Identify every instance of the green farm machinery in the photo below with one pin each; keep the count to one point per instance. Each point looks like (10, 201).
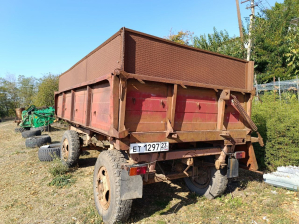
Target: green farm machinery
(35, 117)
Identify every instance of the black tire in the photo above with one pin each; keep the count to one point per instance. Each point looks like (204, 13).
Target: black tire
(37, 141)
(212, 185)
(31, 133)
(47, 153)
(20, 129)
(42, 128)
(110, 206)
(55, 145)
(70, 148)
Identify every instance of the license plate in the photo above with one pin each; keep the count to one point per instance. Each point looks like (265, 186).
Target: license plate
(149, 147)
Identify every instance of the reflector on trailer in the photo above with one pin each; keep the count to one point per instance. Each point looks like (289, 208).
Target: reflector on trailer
(137, 170)
(240, 155)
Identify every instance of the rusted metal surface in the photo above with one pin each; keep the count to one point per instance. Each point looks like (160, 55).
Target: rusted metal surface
(249, 162)
(185, 136)
(65, 150)
(101, 61)
(19, 113)
(243, 113)
(140, 88)
(155, 178)
(103, 188)
(146, 106)
(220, 162)
(100, 116)
(152, 56)
(176, 154)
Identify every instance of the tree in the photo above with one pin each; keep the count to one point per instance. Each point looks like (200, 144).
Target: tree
(182, 37)
(292, 57)
(273, 43)
(220, 42)
(26, 90)
(46, 88)
(9, 99)
(5, 105)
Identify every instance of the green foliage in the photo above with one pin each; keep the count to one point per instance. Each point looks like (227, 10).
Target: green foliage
(46, 88)
(9, 99)
(62, 181)
(26, 90)
(57, 168)
(292, 57)
(60, 174)
(275, 38)
(221, 42)
(278, 124)
(273, 41)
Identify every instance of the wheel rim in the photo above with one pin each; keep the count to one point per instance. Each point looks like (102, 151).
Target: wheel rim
(103, 188)
(65, 149)
(203, 178)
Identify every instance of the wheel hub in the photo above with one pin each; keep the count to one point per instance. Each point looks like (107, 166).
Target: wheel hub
(203, 178)
(65, 149)
(103, 188)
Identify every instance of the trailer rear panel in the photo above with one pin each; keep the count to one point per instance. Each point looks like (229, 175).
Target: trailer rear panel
(140, 88)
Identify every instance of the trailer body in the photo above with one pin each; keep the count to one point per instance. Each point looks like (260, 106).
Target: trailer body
(134, 84)
(137, 89)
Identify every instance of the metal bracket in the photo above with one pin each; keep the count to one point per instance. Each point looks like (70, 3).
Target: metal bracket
(189, 162)
(118, 134)
(169, 130)
(229, 138)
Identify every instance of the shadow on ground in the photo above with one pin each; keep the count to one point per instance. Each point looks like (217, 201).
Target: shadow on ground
(242, 181)
(157, 197)
(86, 162)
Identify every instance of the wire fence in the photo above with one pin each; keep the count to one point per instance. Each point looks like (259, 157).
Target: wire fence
(286, 90)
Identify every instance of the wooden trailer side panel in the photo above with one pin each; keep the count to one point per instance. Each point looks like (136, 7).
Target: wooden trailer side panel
(196, 109)
(59, 107)
(146, 106)
(79, 105)
(232, 118)
(67, 106)
(100, 114)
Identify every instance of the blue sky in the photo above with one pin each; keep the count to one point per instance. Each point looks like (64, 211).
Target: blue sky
(39, 36)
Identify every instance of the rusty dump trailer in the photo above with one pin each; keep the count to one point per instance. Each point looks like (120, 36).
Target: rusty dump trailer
(158, 110)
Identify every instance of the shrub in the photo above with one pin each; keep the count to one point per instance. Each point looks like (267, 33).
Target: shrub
(278, 123)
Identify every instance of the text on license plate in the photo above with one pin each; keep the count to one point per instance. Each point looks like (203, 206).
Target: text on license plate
(149, 147)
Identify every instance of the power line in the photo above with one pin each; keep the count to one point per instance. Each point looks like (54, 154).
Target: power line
(268, 4)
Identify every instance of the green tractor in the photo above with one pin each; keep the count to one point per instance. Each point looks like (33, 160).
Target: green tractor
(39, 118)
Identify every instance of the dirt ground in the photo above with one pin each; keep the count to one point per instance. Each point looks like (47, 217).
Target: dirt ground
(26, 196)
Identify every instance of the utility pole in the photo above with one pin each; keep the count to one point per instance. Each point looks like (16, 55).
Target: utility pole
(239, 20)
(250, 27)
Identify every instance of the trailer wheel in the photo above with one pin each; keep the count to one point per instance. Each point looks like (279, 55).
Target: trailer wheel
(37, 141)
(210, 182)
(70, 148)
(31, 133)
(48, 152)
(106, 187)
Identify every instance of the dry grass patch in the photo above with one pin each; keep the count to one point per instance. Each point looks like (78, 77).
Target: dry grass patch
(27, 197)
